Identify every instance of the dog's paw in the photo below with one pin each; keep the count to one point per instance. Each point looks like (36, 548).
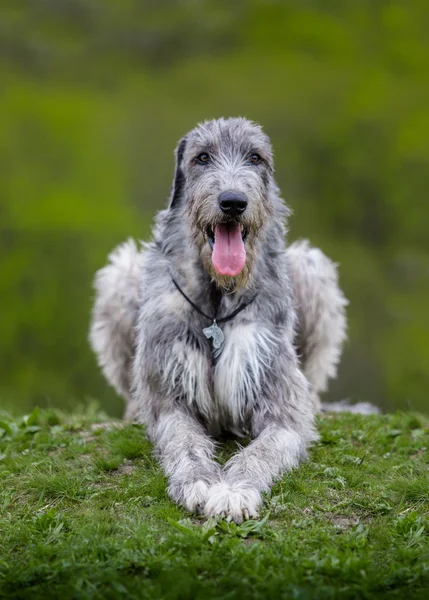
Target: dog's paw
(233, 501)
(192, 496)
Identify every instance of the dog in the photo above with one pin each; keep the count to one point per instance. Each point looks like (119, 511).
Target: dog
(217, 326)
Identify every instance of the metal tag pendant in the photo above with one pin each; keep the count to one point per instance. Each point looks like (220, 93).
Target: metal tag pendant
(215, 333)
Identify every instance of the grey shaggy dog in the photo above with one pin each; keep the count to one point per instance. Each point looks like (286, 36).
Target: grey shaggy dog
(221, 243)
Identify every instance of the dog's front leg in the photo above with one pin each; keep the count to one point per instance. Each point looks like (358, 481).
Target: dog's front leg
(252, 471)
(283, 434)
(186, 454)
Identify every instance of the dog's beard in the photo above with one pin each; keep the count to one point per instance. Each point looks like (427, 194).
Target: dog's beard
(203, 221)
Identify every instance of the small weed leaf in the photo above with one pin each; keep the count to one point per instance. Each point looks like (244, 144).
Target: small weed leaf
(6, 429)
(245, 530)
(184, 525)
(352, 460)
(415, 536)
(32, 418)
(252, 528)
(341, 481)
(210, 525)
(210, 530)
(10, 430)
(382, 508)
(213, 527)
(32, 429)
(228, 527)
(393, 432)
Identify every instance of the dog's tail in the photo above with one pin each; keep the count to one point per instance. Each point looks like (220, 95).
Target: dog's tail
(321, 312)
(114, 318)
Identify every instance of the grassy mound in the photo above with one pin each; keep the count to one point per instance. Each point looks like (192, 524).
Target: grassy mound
(84, 514)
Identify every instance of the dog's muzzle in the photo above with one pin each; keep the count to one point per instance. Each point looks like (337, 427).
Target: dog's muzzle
(228, 237)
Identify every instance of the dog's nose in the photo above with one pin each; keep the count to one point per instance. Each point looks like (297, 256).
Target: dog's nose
(232, 203)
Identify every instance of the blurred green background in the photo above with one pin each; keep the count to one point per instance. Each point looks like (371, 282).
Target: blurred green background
(94, 95)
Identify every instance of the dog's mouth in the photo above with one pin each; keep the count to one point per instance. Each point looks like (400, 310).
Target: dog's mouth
(227, 243)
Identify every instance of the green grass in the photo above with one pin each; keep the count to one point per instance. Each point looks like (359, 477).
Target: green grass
(84, 514)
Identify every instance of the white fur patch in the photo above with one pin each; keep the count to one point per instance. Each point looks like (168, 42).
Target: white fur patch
(235, 501)
(189, 367)
(239, 374)
(195, 495)
(175, 304)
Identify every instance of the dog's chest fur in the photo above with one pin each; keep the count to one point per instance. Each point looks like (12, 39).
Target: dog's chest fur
(241, 373)
(175, 352)
(226, 390)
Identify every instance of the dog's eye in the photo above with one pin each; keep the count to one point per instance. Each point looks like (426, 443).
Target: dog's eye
(203, 158)
(255, 159)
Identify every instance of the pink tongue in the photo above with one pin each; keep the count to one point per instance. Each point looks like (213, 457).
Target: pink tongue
(229, 255)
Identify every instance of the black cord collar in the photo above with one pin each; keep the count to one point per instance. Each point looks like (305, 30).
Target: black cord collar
(242, 306)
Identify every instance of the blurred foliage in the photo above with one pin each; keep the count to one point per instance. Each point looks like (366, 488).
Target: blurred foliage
(93, 97)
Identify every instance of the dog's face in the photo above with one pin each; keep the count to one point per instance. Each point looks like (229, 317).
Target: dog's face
(223, 176)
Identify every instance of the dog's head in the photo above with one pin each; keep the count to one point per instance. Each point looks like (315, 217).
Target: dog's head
(224, 185)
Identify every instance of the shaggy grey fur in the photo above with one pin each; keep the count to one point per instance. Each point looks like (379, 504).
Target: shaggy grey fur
(279, 351)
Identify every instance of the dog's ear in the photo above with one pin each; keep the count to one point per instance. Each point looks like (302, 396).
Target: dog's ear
(179, 177)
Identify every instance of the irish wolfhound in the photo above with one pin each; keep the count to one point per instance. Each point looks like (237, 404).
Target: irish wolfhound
(216, 326)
